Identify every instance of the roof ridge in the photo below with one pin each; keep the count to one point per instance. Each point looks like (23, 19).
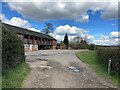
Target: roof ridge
(26, 31)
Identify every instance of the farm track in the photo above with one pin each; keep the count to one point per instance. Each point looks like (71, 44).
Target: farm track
(54, 69)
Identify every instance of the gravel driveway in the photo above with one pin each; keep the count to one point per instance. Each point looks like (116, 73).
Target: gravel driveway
(60, 69)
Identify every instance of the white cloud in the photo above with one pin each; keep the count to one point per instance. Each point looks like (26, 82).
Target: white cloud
(15, 21)
(61, 30)
(33, 29)
(18, 22)
(112, 39)
(115, 34)
(72, 32)
(103, 40)
(89, 37)
(64, 10)
(58, 37)
(113, 24)
(84, 18)
(115, 37)
(3, 18)
(61, 0)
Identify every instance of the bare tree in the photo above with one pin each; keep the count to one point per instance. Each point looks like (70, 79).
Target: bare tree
(48, 28)
(77, 41)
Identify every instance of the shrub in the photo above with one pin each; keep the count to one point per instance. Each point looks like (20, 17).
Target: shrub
(83, 44)
(113, 53)
(48, 47)
(12, 50)
(91, 47)
(79, 45)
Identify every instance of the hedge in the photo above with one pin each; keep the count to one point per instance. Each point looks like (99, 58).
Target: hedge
(91, 47)
(12, 50)
(113, 53)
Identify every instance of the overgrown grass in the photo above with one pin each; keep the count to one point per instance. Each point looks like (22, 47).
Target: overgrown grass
(14, 77)
(90, 58)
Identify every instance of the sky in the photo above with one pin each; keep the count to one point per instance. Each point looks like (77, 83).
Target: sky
(95, 21)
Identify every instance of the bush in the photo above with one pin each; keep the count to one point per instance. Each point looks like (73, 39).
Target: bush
(48, 47)
(80, 45)
(12, 50)
(113, 53)
(91, 47)
(83, 44)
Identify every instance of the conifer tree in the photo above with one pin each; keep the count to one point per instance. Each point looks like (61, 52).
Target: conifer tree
(66, 41)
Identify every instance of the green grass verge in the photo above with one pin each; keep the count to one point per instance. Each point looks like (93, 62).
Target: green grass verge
(90, 58)
(14, 77)
(0, 82)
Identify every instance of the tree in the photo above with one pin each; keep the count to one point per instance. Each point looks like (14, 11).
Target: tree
(66, 41)
(83, 44)
(12, 50)
(91, 46)
(77, 41)
(48, 28)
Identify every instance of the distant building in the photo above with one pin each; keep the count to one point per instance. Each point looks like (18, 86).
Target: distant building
(33, 41)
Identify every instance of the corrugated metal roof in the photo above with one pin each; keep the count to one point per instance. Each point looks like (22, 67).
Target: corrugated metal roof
(25, 31)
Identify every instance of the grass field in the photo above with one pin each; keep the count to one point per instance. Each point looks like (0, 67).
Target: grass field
(14, 77)
(90, 58)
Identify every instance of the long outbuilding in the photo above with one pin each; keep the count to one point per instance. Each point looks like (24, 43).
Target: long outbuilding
(32, 40)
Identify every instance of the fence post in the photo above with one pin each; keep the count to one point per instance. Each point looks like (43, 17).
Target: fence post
(109, 66)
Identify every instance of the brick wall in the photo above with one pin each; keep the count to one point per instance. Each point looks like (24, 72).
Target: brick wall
(54, 44)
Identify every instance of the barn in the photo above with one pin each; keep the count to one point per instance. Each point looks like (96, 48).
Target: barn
(33, 41)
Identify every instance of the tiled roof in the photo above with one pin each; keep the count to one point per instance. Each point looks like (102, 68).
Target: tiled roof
(24, 31)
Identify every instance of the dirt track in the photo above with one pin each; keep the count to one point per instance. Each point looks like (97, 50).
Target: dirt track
(53, 69)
